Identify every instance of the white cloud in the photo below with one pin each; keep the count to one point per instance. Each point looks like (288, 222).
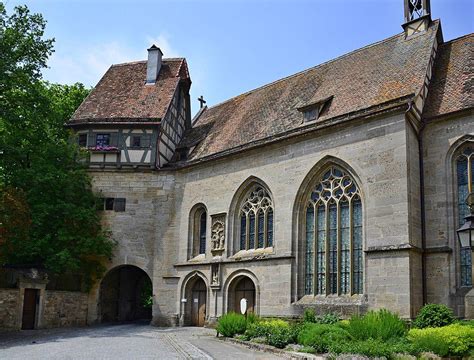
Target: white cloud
(87, 64)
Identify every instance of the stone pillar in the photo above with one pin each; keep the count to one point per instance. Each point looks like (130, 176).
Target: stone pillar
(469, 298)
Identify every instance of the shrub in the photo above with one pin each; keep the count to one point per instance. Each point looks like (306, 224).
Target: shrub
(309, 316)
(452, 340)
(278, 333)
(322, 337)
(372, 347)
(434, 315)
(382, 325)
(231, 324)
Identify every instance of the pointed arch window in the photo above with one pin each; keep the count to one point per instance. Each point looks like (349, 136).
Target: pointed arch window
(465, 186)
(333, 236)
(199, 230)
(256, 219)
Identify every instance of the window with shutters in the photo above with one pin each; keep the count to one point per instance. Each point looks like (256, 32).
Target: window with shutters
(465, 186)
(256, 219)
(333, 259)
(198, 223)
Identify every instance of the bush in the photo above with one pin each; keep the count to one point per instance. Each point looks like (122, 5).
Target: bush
(434, 315)
(310, 316)
(381, 325)
(277, 332)
(322, 337)
(451, 340)
(231, 324)
(372, 347)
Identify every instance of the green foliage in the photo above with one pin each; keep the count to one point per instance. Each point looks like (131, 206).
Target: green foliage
(322, 337)
(434, 315)
(451, 340)
(146, 294)
(310, 316)
(231, 324)
(40, 171)
(382, 325)
(371, 347)
(278, 333)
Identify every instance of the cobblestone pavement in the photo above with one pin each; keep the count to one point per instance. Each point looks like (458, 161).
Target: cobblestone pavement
(130, 341)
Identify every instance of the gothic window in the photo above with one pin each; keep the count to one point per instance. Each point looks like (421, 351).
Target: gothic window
(465, 182)
(256, 220)
(199, 235)
(333, 236)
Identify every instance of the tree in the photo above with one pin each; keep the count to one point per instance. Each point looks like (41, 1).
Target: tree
(43, 180)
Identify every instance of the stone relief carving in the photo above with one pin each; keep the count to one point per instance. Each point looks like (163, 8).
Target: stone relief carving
(218, 232)
(215, 274)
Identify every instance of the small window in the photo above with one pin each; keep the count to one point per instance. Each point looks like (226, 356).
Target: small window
(82, 140)
(136, 141)
(102, 140)
(109, 203)
(119, 205)
(311, 115)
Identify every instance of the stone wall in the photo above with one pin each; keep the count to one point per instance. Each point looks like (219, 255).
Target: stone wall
(9, 309)
(441, 139)
(64, 309)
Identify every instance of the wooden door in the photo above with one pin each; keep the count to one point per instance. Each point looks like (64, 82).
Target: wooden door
(245, 289)
(29, 309)
(198, 298)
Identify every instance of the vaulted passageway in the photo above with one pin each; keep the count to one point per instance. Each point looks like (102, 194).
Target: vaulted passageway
(125, 295)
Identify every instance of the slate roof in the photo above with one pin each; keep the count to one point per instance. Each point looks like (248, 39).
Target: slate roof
(365, 78)
(122, 96)
(451, 88)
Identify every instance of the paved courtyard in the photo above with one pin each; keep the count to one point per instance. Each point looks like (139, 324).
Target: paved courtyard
(130, 341)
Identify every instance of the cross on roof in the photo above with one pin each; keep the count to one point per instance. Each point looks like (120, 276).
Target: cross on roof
(202, 101)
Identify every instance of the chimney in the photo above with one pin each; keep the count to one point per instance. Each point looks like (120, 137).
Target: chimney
(153, 64)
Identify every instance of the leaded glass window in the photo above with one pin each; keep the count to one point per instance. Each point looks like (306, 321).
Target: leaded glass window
(333, 236)
(202, 233)
(256, 220)
(465, 180)
(199, 230)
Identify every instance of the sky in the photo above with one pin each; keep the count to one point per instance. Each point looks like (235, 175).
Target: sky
(231, 46)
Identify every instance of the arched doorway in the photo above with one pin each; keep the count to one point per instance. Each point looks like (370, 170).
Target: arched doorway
(240, 288)
(196, 302)
(125, 295)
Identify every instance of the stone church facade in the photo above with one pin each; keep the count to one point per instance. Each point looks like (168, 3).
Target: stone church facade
(339, 188)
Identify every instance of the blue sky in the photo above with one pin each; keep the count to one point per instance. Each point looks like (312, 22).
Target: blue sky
(231, 46)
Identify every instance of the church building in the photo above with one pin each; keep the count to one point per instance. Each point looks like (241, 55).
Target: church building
(339, 188)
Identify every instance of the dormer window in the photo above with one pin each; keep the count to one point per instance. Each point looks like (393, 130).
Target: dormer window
(313, 110)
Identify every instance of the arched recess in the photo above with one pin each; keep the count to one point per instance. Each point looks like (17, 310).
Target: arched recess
(197, 230)
(125, 293)
(235, 219)
(300, 213)
(194, 287)
(238, 285)
(462, 257)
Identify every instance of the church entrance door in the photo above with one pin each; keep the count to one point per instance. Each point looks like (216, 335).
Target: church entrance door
(198, 298)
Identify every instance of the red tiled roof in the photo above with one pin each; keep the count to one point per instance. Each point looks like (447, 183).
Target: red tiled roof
(122, 96)
(368, 77)
(451, 88)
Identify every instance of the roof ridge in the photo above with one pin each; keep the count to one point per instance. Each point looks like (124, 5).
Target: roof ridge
(458, 38)
(144, 61)
(312, 68)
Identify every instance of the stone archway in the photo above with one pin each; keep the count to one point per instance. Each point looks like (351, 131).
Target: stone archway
(242, 287)
(195, 308)
(124, 295)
